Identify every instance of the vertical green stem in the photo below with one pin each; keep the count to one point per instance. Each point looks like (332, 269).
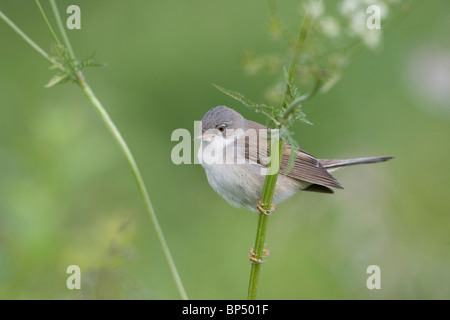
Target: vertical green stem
(271, 180)
(298, 47)
(62, 29)
(44, 16)
(263, 221)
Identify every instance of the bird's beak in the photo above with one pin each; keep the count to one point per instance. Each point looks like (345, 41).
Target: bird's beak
(206, 135)
(199, 136)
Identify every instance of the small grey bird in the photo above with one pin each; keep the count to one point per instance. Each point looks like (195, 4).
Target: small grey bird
(233, 160)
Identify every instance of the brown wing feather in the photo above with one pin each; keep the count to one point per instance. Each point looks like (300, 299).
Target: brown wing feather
(307, 168)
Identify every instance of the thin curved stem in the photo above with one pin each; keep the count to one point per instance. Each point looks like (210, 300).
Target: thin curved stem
(112, 128)
(124, 147)
(139, 180)
(294, 104)
(26, 38)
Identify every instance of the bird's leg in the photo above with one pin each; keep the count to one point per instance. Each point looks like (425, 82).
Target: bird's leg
(252, 257)
(254, 260)
(260, 208)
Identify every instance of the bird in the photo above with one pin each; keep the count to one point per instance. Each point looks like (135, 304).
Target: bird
(234, 154)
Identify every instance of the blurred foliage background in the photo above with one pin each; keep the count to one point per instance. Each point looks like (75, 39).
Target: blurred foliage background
(67, 195)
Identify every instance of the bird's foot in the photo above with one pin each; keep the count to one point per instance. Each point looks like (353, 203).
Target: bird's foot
(254, 260)
(260, 208)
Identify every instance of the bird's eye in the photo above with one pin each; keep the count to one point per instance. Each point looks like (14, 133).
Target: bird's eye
(221, 128)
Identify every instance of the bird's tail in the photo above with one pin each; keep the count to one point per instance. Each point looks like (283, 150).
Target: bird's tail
(334, 164)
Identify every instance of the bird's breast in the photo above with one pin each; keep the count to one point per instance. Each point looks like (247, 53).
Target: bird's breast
(240, 183)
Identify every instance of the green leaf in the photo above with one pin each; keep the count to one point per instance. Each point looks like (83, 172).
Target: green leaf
(268, 111)
(90, 62)
(291, 161)
(303, 119)
(288, 136)
(57, 78)
(56, 65)
(285, 75)
(295, 92)
(236, 95)
(293, 111)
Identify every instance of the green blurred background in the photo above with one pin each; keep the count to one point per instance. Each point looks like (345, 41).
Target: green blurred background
(67, 195)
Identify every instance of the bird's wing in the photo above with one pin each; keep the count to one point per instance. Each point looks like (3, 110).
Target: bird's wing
(305, 167)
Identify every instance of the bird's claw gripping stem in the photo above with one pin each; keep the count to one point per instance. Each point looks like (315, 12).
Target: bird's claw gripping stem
(260, 208)
(254, 260)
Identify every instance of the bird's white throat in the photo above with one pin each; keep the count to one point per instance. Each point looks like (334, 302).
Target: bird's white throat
(218, 150)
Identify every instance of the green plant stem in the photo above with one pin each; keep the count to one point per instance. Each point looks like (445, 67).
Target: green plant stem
(271, 180)
(115, 133)
(140, 181)
(44, 16)
(263, 221)
(62, 29)
(294, 104)
(129, 156)
(298, 47)
(26, 38)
